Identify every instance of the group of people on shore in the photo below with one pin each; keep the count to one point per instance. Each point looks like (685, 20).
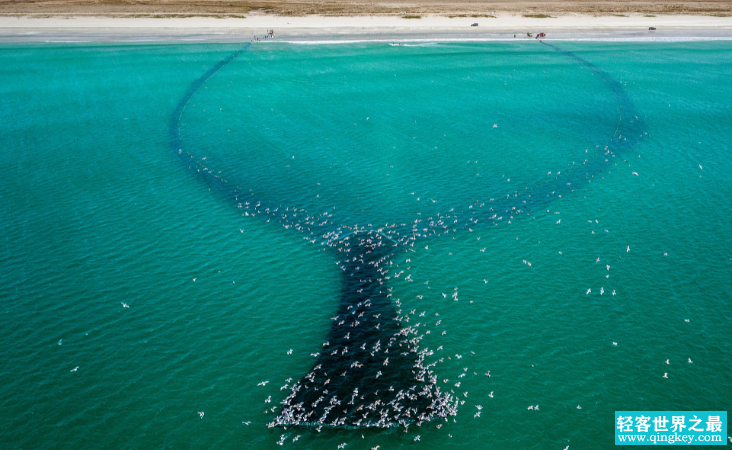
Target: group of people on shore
(270, 34)
(538, 35)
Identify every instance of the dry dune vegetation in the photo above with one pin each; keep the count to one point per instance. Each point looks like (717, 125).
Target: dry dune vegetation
(455, 8)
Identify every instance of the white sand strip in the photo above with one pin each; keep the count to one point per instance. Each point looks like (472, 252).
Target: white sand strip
(571, 26)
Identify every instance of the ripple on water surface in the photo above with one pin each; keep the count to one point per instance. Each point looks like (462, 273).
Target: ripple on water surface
(97, 213)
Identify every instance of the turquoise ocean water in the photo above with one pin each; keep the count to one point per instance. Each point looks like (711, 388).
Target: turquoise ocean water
(98, 210)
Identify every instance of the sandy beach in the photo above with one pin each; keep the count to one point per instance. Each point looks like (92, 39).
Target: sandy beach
(503, 26)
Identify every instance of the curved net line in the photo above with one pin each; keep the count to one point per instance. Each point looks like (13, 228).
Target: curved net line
(372, 370)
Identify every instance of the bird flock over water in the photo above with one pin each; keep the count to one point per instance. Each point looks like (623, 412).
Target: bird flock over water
(373, 370)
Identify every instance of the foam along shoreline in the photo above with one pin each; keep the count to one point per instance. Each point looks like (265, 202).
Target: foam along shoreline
(310, 29)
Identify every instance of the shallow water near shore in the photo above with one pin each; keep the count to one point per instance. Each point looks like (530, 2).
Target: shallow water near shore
(98, 211)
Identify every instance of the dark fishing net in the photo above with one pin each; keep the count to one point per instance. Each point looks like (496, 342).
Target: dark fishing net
(372, 370)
